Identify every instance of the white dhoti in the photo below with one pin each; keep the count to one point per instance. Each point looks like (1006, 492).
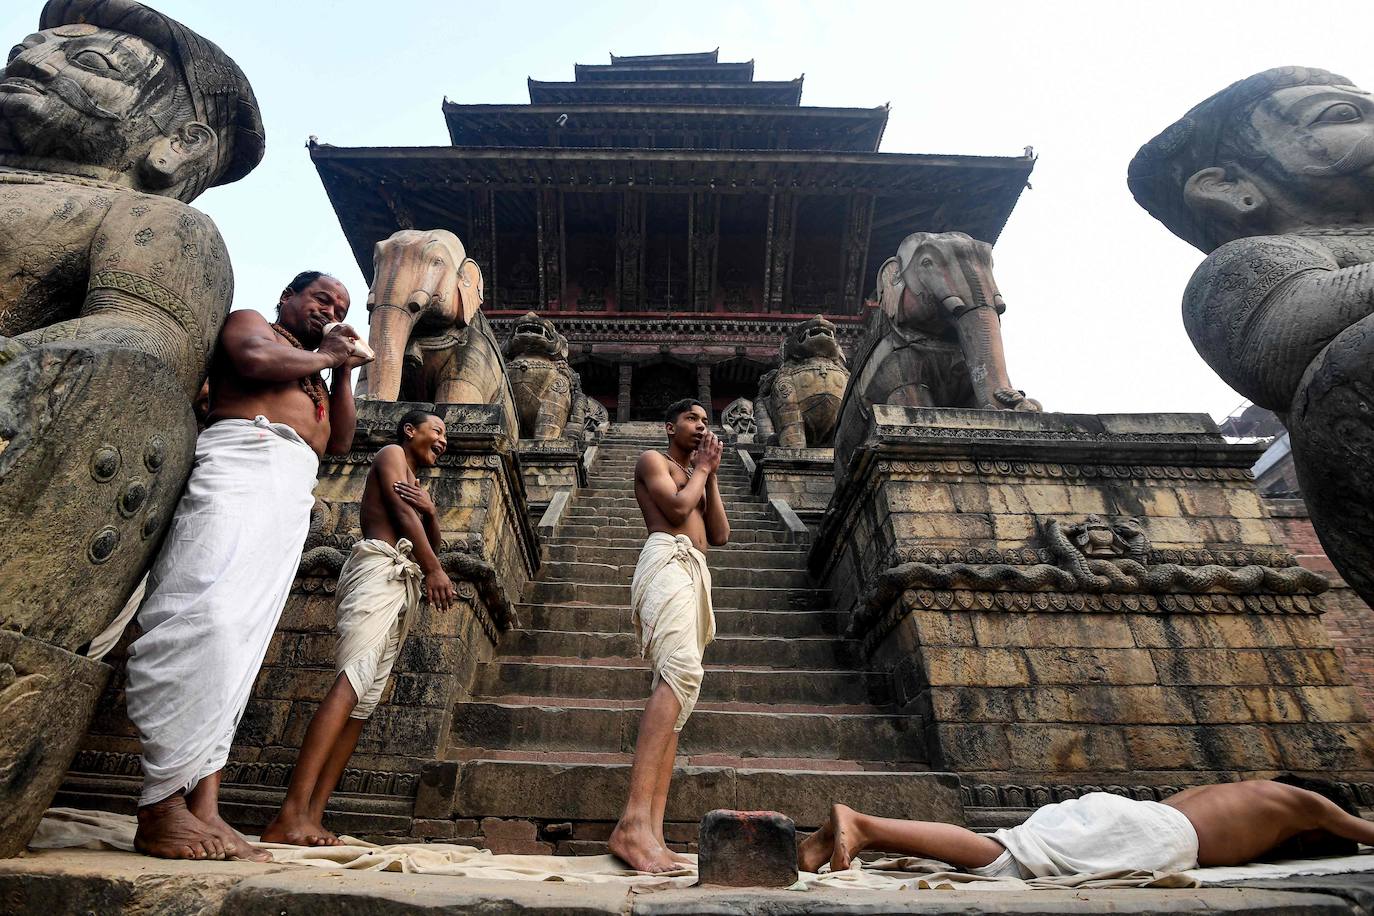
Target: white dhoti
(1096, 833)
(214, 596)
(379, 588)
(670, 602)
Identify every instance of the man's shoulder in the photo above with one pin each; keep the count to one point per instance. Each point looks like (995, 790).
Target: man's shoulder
(248, 320)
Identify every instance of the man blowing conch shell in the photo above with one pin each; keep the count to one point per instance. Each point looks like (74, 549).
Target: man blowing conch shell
(670, 601)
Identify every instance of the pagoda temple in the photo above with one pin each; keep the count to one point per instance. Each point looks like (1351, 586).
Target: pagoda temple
(670, 213)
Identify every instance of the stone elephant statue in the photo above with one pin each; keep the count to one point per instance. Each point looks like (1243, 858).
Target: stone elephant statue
(935, 339)
(433, 343)
(799, 402)
(548, 393)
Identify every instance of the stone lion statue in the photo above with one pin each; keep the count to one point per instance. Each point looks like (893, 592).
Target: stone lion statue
(935, 339)
(1273, 179)
(548, 393)
(799, 401)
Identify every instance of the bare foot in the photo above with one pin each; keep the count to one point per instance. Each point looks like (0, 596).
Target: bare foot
(639, 849)
(168, 830)
(849, 841)
(235, 846)
(815, 850)
(298, 832)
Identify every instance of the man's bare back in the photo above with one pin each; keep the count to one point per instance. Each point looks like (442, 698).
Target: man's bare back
(677, 491)
(257, 371)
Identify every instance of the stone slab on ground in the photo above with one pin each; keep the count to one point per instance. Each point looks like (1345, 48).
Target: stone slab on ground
(79, 881)
(747, 849)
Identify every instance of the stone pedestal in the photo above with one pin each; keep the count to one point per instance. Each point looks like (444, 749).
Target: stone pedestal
(548, 466)
(490, 551)
(747, 849)
(803, 477)
(1078, 601)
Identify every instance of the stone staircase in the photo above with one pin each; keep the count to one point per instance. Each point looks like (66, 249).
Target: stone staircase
(786, 721)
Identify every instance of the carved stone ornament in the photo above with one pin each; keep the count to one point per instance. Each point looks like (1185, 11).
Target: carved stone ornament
(597, 419)
(936, 338)
(799, 402)
(548, 393)
(1273, 178)
(738, 418)
(113, 117)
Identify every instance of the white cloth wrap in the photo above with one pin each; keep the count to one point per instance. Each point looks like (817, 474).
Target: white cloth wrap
(670, 602)
(1097, 833)
(214, 595)
(379, 588)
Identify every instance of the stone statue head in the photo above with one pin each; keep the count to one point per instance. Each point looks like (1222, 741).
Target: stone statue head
(113, 90)
(810, 339)
(538, 336)
(1283, 150)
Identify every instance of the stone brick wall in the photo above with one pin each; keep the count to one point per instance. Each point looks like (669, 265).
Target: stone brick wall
(1207, 661)
(804, 477)
(547, 466)
(1349, 620)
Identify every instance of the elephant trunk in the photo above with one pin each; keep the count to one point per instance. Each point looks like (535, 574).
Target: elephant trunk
(980, 337)
(388, 334)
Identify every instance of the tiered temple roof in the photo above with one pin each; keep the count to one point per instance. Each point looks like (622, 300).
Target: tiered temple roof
(672, 191)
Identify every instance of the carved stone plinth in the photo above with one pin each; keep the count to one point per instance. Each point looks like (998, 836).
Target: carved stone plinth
(46, 699)
(1085, 600)
(550, 465)
(490, 551)
(747, 849)
(803, 477)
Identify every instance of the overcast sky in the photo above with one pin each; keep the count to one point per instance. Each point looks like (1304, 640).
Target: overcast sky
(1092, 282)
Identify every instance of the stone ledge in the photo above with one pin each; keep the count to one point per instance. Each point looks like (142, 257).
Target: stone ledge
(56, 883)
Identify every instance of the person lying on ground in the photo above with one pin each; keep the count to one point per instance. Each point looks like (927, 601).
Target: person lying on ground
(379, 591)
(1230, 824)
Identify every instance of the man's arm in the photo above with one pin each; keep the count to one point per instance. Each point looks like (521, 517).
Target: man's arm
(343, 420)
(390, 468)
(676, 505)
(717, 525)
(253, 349)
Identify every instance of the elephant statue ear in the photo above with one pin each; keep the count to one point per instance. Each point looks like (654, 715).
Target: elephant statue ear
(890, 286)
(470, 291)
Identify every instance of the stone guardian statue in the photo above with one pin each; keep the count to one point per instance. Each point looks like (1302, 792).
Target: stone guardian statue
(1273, 179)
(799, 402)
(113, 117)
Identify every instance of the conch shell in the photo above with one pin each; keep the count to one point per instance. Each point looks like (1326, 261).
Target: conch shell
(359, 347)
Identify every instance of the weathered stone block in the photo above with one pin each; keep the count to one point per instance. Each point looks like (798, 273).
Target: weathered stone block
(1211, 666)
(1066, 749)
(1245, 704)
(47, 696)
(1091, 666)
(434, 795)
(966, 666)
(747, 849)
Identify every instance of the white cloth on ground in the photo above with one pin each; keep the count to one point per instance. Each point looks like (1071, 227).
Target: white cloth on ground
(379, 589)
(670, 602)
(1098, 832)
(215, 594)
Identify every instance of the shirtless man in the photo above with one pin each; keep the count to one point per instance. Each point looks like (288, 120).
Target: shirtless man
(1231, 824)
(379, 589)
(221, 579)
(670, 602)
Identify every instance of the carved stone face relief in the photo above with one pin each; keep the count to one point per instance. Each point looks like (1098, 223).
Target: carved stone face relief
(1319, 142)
(86, 95)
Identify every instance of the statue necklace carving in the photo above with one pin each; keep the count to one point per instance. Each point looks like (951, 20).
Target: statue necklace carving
(313, 385)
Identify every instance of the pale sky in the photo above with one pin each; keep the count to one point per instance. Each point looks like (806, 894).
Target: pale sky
(1092, 282)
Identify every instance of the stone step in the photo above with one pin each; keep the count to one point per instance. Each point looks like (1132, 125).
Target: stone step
(756, 733)
(781, 547)
(556, 790)
(725, 597)
(743, 527)
(624, 498)
(729, 555)
(739, 513)
(627, 506)
(584, 618)
(722, 575)
(761, 651)
(594, 533)
(630, 678)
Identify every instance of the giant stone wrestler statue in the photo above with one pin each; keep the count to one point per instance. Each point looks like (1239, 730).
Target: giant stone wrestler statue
(113, 118)
(1273, 178)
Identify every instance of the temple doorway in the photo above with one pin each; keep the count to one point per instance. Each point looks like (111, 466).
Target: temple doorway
(655, 386)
